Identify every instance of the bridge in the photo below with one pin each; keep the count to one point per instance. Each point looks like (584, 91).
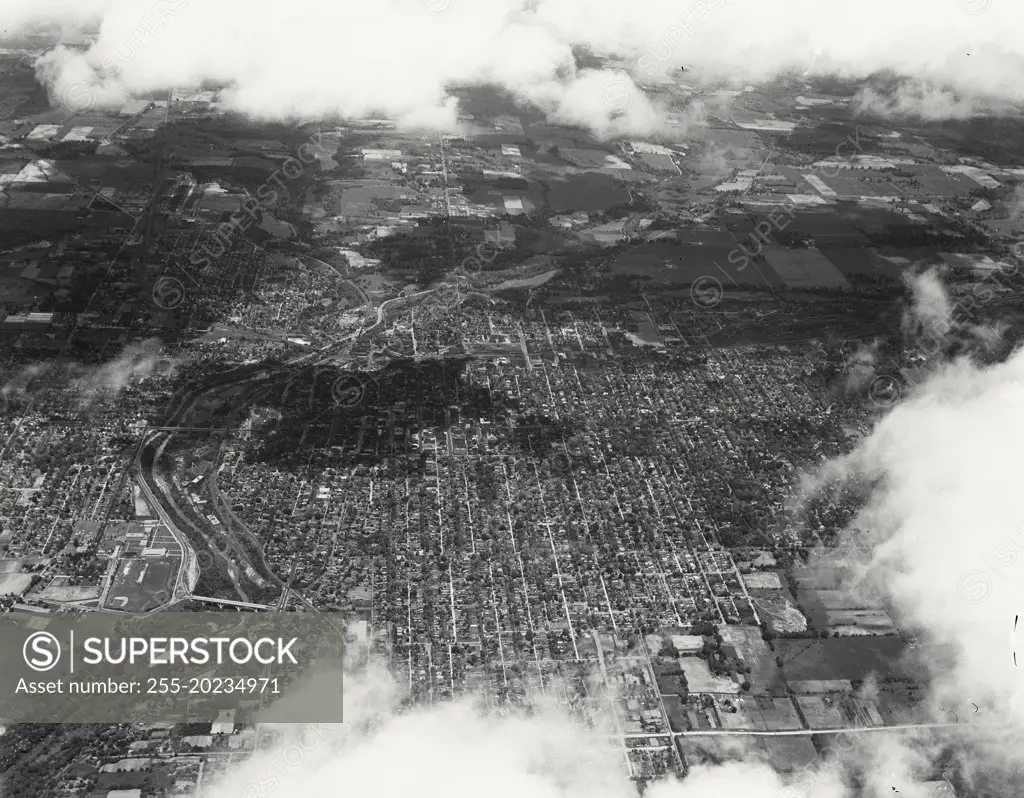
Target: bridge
(231, 603)
(187, 429)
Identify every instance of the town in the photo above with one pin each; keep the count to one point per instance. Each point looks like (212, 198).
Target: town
(526, 407)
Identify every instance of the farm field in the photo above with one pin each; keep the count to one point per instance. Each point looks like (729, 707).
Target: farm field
(674, 263)
(804, 268)
(853, 658)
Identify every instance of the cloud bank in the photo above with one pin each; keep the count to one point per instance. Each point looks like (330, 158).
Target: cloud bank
(948, 527)
(460, 751)
(308, 59)
(917, 100)
(946, 524)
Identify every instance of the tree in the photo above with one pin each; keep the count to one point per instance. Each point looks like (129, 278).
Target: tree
(668, 649)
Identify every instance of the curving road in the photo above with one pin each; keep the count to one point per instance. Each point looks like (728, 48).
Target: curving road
(217, 389)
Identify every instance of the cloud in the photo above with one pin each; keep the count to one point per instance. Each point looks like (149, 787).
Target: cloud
(19, 386)
(948, 528)
(308, 59)
(945, 511)
(892, 764)
(860, 368)
(74, 84)
(933, 320)
(607, 102)
(917, 99)
(939, 504)
(749, 779)
(60, 15)
(930, 312)
(455, 749)
(1015, 209)
(988, 338)
(138, 361)
(460, 750)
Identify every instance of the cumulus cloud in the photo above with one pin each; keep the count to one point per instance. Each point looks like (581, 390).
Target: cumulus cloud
(57, 15)
(76, 85)
(310, 59)
(460, 750)
(19, 385)
(749, 779)
(457, 749)
(944, 512)
(939, 506)
(948, 525)
(935, 318)
(607, 102)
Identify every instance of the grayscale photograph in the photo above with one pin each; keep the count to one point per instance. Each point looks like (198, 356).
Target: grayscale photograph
(511, 399)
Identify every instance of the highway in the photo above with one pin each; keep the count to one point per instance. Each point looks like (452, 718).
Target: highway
(808, 732)
(189, 561)
(231, 602)
(159, 495)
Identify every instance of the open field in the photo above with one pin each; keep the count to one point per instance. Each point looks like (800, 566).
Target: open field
(701, 680)
(861, 262)
(15, 584)
(754, 652)
(141, 583)
(804, 268)
(785, 754)
(853, 658)
(763, 713)
(674, 263)
(825, 225)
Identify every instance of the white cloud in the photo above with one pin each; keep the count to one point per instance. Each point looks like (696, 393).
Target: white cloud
(458, 750)
(1015, 207)
(860, 368)
(454, 749)
(918, 99)
(930, 312)
(307, 58)
(136, 362)
(946, 513)
(949, 526)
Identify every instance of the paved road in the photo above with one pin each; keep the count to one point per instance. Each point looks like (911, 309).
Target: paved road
(230, 602)
(808, 732)
(212, 385)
